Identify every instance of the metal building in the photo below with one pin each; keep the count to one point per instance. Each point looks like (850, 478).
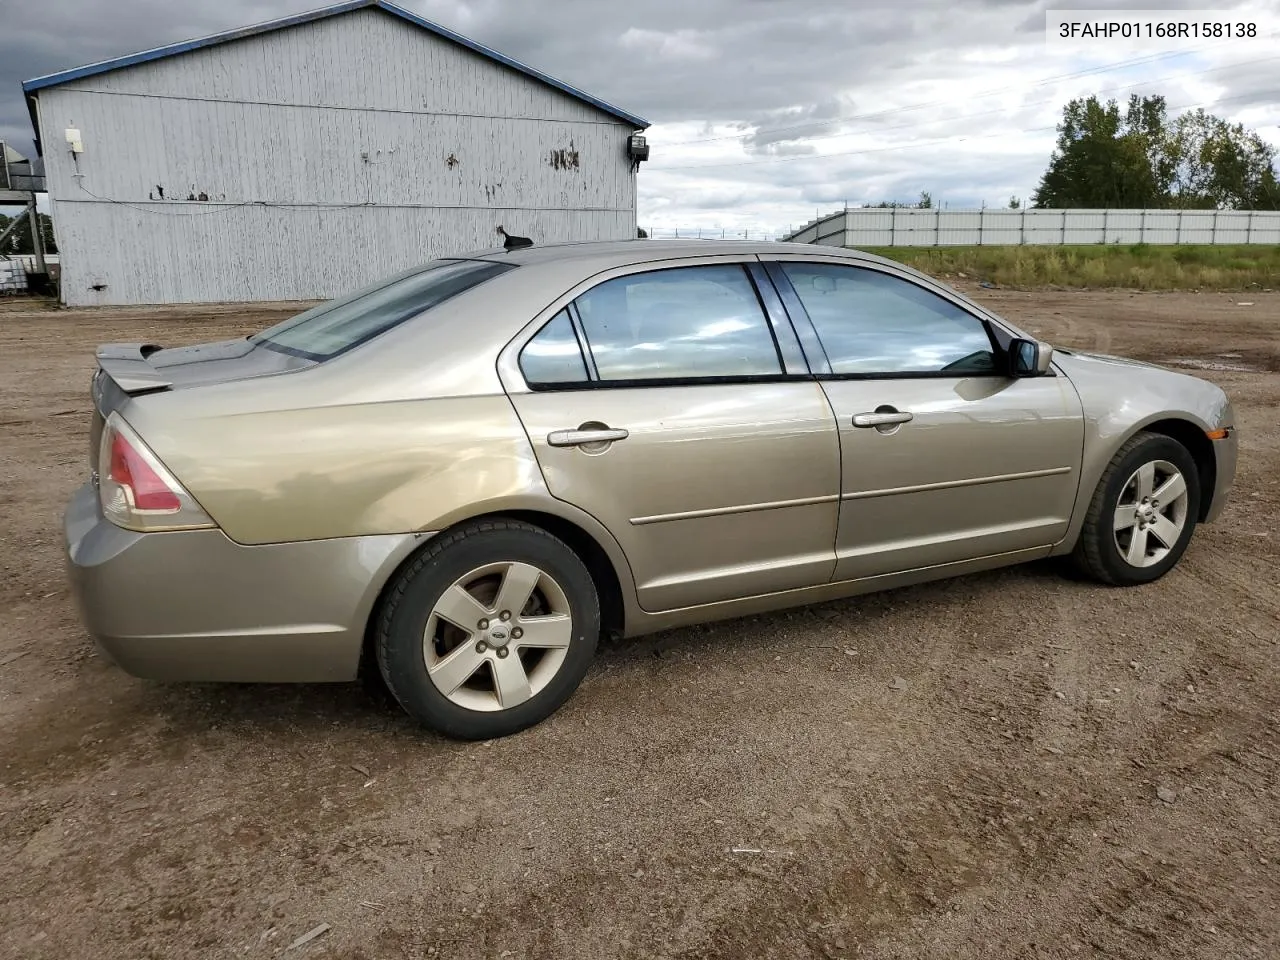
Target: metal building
(305, 157)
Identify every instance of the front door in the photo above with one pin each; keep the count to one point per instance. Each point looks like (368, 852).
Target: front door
(664, 403)
(944, 457)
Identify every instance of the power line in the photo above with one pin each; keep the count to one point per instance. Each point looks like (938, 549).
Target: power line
(913, 145)
(1105, 68)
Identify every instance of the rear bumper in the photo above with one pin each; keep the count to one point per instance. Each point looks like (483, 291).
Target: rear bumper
(196, 605)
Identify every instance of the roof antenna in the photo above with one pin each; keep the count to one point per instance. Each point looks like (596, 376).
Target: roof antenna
(513, 242)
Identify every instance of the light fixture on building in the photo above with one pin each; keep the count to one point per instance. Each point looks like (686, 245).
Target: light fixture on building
(637, 149)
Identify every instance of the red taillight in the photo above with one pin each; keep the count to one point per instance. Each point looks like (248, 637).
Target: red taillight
(133, 473)
(136, 490)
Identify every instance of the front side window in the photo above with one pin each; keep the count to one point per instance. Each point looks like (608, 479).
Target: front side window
(681, 323)
(873, 323)
(331, 328)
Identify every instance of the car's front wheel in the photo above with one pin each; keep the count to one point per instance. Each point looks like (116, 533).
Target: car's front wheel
(1143, 512)
(489, 631)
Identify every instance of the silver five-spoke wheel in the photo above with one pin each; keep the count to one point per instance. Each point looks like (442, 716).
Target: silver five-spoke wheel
(488, 629)
(497, 636)
(1143, 512)
(1151, 513)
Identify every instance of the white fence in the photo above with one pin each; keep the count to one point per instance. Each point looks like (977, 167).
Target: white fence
(898, 227)
(708, 233)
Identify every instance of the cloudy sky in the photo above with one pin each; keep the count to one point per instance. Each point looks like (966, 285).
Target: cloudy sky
(767, 112)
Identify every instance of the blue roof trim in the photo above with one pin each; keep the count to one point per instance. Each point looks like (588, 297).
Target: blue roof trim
(186, 46)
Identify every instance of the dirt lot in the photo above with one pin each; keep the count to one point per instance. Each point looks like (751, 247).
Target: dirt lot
(1000, 801)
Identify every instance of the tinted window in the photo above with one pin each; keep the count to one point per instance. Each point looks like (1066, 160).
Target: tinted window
(553, 355)
(873, 323)
(339, 325)
(684, 322)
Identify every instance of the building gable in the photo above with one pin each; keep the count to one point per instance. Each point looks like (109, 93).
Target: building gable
(364, 54)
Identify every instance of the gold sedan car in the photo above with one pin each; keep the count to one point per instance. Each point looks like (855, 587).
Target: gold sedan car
(467, 473)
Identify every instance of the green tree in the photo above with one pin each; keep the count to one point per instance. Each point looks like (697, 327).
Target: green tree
(1141, 158)
(1105, 158)
(1217, 165)
(1015, 203)
(926, 201)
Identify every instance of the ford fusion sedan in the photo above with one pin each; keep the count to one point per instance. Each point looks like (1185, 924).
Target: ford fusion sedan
(463, 476)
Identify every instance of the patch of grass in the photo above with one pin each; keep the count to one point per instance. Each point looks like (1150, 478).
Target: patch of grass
(1138, 266)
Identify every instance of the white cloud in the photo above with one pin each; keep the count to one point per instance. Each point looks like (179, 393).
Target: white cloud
(679, 45)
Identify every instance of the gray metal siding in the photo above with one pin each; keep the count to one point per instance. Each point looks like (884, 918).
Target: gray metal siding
(250, 153)
(418, 148)
(366, 59)
(263, 253)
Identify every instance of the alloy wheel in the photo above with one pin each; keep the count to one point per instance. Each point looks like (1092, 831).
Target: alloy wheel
(497, 636)
(1151, 513)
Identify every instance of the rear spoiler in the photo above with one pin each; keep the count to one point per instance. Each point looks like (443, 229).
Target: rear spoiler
(127, 365)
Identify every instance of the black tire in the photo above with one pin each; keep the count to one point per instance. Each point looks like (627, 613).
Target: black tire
(415, 592)
(1096, 553)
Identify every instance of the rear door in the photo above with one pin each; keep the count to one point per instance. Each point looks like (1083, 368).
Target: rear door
(669, 404)
(944, 457)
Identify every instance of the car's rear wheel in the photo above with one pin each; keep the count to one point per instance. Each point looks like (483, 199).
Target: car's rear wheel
(489, 631)
(1143, 513)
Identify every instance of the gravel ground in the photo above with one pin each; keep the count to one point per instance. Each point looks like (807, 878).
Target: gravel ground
(1012, 764)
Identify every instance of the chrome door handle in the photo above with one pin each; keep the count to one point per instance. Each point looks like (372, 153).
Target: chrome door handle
(880, 419)
(580, 438)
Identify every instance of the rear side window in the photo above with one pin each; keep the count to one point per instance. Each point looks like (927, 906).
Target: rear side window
(554, 356)
(682, 323)
(334, 327)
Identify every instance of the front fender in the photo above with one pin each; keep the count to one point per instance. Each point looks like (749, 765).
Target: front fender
(1121, 397)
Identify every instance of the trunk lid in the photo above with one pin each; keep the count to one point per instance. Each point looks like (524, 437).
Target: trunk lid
(133, 369)
(147, 367)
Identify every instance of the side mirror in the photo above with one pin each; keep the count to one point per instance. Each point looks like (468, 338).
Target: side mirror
(1029, 358)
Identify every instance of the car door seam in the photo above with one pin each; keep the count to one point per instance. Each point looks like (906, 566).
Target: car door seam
(1076, 505)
